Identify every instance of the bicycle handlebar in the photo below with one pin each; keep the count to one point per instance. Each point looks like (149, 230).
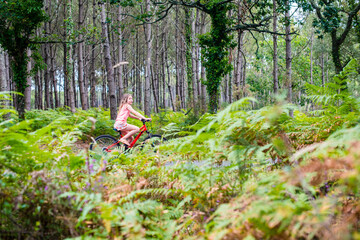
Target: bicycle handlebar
(144, 121)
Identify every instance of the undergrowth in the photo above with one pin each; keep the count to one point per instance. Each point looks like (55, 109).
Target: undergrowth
(240, 174)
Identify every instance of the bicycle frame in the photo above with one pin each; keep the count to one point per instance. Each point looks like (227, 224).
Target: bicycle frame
(142, 130)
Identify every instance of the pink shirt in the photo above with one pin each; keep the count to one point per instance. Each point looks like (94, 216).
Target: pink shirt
(123, 114)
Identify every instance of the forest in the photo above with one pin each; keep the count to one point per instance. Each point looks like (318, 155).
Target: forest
(254, 103)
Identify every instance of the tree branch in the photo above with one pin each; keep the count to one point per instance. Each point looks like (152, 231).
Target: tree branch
(348, 24)
(317, 8)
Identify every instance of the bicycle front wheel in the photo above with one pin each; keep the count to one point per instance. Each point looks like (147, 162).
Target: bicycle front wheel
(104, 144)
(155, 140)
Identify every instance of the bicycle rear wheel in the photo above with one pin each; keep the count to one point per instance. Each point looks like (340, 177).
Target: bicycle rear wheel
(103, 142)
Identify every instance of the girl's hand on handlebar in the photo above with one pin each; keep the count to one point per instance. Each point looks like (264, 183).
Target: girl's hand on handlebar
(145, 119)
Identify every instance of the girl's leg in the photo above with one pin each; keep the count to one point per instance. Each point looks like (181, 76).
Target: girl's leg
(129, 139)
(130, 131)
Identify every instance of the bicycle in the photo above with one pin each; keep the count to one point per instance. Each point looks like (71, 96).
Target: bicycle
(107, 143)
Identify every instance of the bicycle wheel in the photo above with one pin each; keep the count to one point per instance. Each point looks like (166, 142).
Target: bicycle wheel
(102, 142)
(154, 140)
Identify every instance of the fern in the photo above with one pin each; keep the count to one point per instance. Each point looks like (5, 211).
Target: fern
(334, 97)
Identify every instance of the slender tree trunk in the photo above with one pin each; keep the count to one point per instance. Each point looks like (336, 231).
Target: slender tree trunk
(138, 67)
(197, 58)
(155, 71)
(108, 63)
(311, 58)
(52, 75)
(188, 54)
(120, 53)
(92, 61)
(275, 56)
(27, 94)
(37, 90)
(80, 49)
(177, 61)
(153, 86)
(67, 57)
(41, 75)
(73, 60)
(288, 56)
(202, 70)
(148, 39)
(3, 80)
(163, 66)
(168, 73)
(193, 62)
(46, 74)
(239, 66)
(327, 70)
(322, 58)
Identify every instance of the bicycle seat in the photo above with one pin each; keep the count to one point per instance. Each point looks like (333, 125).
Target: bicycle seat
(116, 130)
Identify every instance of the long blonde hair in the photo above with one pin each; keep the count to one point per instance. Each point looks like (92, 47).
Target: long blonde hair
(123, 100)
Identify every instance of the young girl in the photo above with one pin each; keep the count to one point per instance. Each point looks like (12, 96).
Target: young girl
(125, 111)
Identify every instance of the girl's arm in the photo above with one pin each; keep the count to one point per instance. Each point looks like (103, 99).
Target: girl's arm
(133, 116)
(135, 113)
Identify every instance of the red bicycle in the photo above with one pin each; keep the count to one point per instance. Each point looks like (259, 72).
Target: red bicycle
(107, 143)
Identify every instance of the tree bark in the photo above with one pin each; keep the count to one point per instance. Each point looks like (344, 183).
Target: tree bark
(92, 61)
(322, 58)
(193, 61)
(168, 73)
(120, 53)
(311, 58)
(80, 49)
(3, 80)
(288, 56)
(67, 58)
(148, 39)
(108, 63)
(27, 94)
(275, 56)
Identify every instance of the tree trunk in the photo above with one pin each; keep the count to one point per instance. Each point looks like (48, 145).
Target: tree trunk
(67, 57)
(153, 86)
(288, 57)
(92, 61)
(155, 71)
(3, 80)
(163, 66)
(73, 60)
(311, 58)
(27, 94)
(188, 54)
(168, 73)
(193, 61)
(80, 49)
(177, 61)
(148, 39)
(108, 63)
(120, 53)
(275, 56)
(46, 74)
(197, 58)
(52, 75)
(322, 58)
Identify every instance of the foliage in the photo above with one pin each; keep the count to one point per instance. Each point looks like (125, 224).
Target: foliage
(335, 97)
(215, 51)
(241, 173)
(18, 21)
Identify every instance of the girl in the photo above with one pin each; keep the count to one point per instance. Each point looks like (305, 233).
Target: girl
(125, 111)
